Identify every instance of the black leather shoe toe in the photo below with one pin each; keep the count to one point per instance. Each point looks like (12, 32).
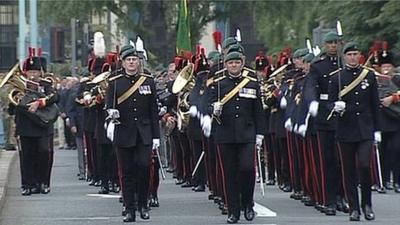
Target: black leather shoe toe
(232, 219)
(330, 210)
(354, 216)
(368, 213)
(249, 213)
(44, 189)
(26, 191)
(144, 214)
(130, 217)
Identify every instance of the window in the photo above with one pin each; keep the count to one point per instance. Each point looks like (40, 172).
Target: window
(8, 14)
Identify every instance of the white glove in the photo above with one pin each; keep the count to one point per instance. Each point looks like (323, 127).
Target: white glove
(283, 103)
(295, 128)
(339, 106)
(199, 115)
(113, 114)
(206, 125)
(302, 130)
(377, 136)
(156, 143)
(217, 110)
(193, 111)
(313, 109)
(67, 122)
(110, 130)
(288, 124)
(162, 111)
(259, 140)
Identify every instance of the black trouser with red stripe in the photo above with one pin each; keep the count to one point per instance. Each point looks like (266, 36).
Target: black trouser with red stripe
(353, 154)
(134, 164)
(239, 175)
(329, 165)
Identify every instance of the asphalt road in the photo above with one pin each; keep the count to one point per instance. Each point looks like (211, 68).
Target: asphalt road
(73, 202)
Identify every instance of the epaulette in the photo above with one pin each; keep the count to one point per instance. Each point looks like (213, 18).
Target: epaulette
(250, 70)
(114, 77)
(368, 68)
(335, 71)
(219, 78)
(250, 77)
(220, 71)
(48, 81)
(146, 75)
(320, 59)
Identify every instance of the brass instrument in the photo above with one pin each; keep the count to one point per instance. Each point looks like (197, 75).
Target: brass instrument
(17, 82)
(21, 94)
(183, 85)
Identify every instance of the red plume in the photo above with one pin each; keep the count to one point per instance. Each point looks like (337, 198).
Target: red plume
(362, 59)
(198, 47)
(385, 47)
(217, 35)
(33, 52)
(40, 52)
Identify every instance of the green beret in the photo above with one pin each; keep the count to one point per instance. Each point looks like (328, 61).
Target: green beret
(300, 53)
(128, 50)
(350, 46)
(228, 42)
(233, 56)
(214, 56)
(236, 48)
(330, 36)
(309, 57)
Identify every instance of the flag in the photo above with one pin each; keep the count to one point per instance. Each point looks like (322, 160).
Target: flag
(183, 43)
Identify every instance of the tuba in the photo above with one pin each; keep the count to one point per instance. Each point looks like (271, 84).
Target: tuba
(17, 82)
(21, 95)
(184, 84)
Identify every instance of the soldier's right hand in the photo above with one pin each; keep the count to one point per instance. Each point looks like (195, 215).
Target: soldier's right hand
(113, 113)
(217, 108)
(207, 125)
(340, 106)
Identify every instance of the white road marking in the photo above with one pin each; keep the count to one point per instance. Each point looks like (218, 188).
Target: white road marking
(262, 211)
(103, 196)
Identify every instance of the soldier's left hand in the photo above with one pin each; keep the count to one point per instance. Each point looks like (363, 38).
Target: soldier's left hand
(259, 140)
(156, 143)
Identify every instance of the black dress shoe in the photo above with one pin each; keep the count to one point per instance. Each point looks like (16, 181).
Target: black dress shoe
(270, 182)
(179, 181)
(354, 216)
(44, 189)
(120, 199)
(130, 216)
(92, 182)
(200, 188)
(232, 219)
(249, 213)
(97, 184)
(224, 210)
(187, 185)
(35, 190)
(26, 191)
(144, 214)
(368, 213)
(154, 202)
(287, 188)
(330, 210)
(381, 190)
(389, 186)
(104, 190)
(397, 188)
(211, 197)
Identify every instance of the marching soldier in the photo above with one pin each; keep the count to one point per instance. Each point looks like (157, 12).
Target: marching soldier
(354, 96)
(317, 96)
(240, 116)
(33, 132)
(131, 100)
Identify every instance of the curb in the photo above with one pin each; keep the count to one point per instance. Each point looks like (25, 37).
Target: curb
(6, 160)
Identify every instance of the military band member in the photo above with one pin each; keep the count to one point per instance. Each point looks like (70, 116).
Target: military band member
(33, 133)
(354, 97)
(388, 86)
(131, 99)
(240, 128)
